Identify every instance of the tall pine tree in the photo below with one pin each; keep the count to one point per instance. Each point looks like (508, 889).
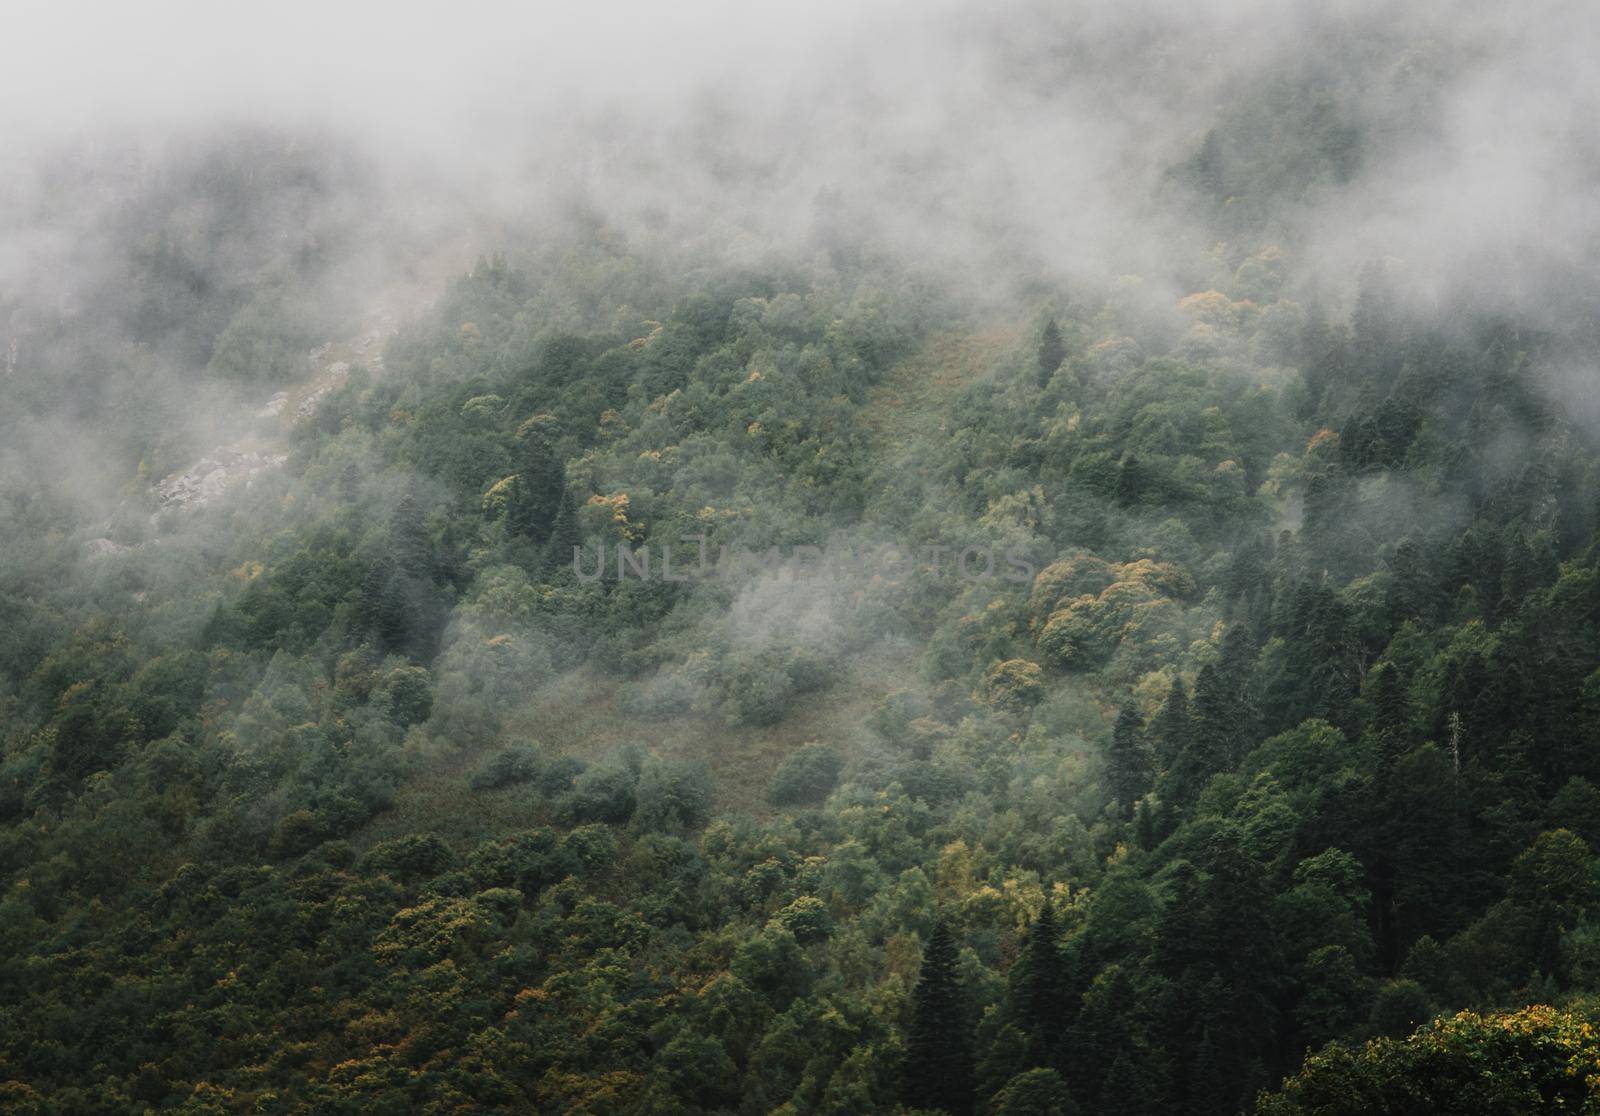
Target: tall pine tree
(1391, 719)
(566, 535)
(1323, 358)
(408, 539)
(1211, 743)
(536, 494)
(938, 1064)
(1051, 351)
(1169, 729)
(1037, 988)
(382, 611)
(1214, 718)
(1128, 764)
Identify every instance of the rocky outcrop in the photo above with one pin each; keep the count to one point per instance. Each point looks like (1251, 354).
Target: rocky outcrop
(227, 466)
(331, 377)
(211, 477)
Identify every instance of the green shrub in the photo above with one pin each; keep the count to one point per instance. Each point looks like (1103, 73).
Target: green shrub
(672, 797)
(759, 693)
(601, 794)
(408, 692)
(413, 857)
(807, 918)
(510, 766)
(805, 777)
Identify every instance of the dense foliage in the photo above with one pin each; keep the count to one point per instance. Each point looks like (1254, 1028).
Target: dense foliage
(1273, 732)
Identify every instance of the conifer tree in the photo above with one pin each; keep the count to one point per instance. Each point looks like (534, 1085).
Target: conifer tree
(1322, 352)
(1147, 823)
(1214, 717)
(938, 1064)
(1051, 351)
(1207, 168)
(1376, 340)
(408, 539)
(1127, 765)
(1412, 595)
(350, 483)
(1037, 988)
(1237, 658)
(1170, 729)
(1391, 719)
(1129, 482)
(1212, 742)
(1234, 668)
(536, 494)
(566, 536)
(1105, 1027)
(381, 611)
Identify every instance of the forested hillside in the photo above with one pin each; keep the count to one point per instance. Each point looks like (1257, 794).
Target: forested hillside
(1189, 702)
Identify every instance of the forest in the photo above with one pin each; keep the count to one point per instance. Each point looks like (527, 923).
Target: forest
(1257, 772)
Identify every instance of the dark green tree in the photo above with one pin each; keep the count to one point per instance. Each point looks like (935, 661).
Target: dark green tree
(1051, 351)
(1375, 329)
(1035, 1092)
(1170, 731)
(1234, 669)
(1037, 988)
(1130, 481)
(1322, 353)
(1391, 718)
(350, 483)
(1105, 1028)
(1128, 763)
(566, 535)
(537, 493)
(1324, 660)
(1212, 745)
(938, 1064)
(382, 611)
(1413, 594)
(408, 539)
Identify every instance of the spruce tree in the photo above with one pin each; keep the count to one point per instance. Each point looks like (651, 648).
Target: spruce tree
(1324, 355)
(1037, 988)
(1207, 168)
(1127, 765)
(1330, 659)
(1211, 745)
(350, 483)
(408, 539)
(566, 536)
(1215, 715)
(381, 608)
(1170, 729)
(1413, 594)
(1238, 658)
(1391, 718)
(1105, 1027)
(1051, 351)
(938, 1063)
(536, 494)
(1129, 481)
(1147, 824)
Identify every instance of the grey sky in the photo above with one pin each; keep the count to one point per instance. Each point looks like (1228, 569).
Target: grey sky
(1035, 132)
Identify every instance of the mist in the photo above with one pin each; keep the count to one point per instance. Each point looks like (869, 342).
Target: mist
(1249, 344)
(1034, 142)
